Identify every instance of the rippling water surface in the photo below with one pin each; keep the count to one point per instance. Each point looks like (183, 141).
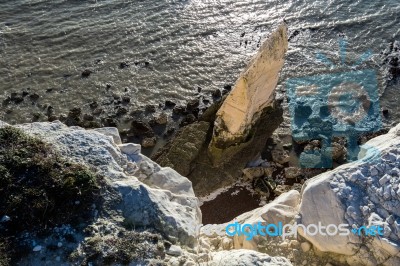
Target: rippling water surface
(188, 44)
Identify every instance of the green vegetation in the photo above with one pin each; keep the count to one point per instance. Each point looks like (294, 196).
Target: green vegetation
(40, 189)
(127, 247)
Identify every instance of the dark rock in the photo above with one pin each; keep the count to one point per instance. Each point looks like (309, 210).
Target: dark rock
(228, 87)
(93, 105)
(152, 122)
(146, 64)
(36, 116)
(385, 112)
(108, 86)
(140, 128)
(217, 94)
(150, 108)
(121, 111)
(50, 111)
(49, 90)
(52, 118)
(34, 97)
(192, 104)
(179, 110)
(126, 99)
(62, 117)
(86, 73)
(9, 111)
(75, 112)
(91, 124)
(169, 104)
(109, 122)
(170, 131)
(136, 113)
(196, 112)
(24, 93)
(189, 119)
(123, 65)
(205, 101)
(16, 98)
(242, 35)
(88, 117)
(149, 142)
(199, 89)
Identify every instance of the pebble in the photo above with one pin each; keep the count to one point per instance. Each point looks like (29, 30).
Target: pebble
(305, 246)
(37, 248)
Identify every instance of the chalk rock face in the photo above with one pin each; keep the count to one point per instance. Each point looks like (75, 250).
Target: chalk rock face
(152, 196)
(253, 91)
(245, 257)
(362, 193)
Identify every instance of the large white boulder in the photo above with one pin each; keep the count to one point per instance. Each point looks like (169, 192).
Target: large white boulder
(152, 196)
(361, 193)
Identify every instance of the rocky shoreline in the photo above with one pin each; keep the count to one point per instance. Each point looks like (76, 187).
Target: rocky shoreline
(150, 212)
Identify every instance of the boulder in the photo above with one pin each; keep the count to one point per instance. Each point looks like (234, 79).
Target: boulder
(150, 196)
(253, 92)
(362, 193)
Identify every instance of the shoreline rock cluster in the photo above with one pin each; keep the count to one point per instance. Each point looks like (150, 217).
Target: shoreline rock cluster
(157, 203)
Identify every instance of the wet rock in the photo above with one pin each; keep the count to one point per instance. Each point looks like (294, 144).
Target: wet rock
(88, 117)
(50, 110)
(93, 105)
(123, 65)
(192, 104)
(179, 110)
(34, 97)
(162, 119)
(75, 112)
(170, 131)
(136, 113)
(121, 111)
(126, 99)
(109, 122)
(150, 108)
(86, 73)
(217, 94)
(385, 112)
(36, 116)
(52, 118)
(16, 98)
(140, 128)
(169, 104)
(149, 142)
(189, 119)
